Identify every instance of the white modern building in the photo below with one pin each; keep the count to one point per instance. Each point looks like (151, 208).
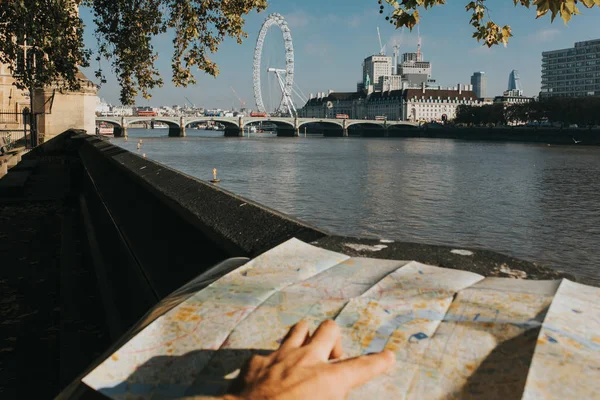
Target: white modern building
(375, 68)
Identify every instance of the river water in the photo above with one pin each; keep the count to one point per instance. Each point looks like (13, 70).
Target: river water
(531, 201)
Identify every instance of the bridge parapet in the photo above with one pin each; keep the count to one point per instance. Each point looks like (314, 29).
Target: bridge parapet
(177, 125)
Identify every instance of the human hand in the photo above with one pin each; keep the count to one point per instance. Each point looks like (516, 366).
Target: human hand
(302, 368)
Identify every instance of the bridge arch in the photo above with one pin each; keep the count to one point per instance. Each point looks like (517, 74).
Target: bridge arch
(118, 129)
(169, 122)
(109, 120)
(402, 129)
(366, 122)
(284, 127)
(338, 122)
(227, 123)
(327, 128)
(367, 128)
(282, 123)
(175, 130)
(277, 123)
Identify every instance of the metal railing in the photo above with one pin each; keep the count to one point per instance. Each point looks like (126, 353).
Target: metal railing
(10, 117)
(15, 128)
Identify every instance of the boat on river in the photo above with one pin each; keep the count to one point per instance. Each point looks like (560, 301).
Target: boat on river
(105, 130)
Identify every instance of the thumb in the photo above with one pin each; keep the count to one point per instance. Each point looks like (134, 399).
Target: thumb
(358, 371)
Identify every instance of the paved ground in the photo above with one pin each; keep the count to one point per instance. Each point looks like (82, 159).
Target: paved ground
(47, 289)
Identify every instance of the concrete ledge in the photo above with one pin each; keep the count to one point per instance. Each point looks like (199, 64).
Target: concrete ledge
(173, 226)
(480, 261)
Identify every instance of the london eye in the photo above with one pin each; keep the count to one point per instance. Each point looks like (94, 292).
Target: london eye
(282, 74)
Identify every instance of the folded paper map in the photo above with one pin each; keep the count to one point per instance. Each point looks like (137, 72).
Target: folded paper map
(456, 334)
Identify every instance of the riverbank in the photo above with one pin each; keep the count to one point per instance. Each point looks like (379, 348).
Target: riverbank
(552, 136)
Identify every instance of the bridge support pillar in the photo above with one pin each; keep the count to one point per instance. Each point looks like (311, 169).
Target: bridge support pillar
(123, 128)
(296, 127)
(241, 125)
(345, 128)
(181, 127)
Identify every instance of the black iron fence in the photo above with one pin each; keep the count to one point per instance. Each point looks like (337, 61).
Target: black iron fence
(15, 128)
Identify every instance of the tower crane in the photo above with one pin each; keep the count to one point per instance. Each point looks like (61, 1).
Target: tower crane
(188, 100)
(242, 102)
(381, 46)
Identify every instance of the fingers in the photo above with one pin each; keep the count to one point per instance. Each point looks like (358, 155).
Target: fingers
(358, 371)
(295, 338)
(337, 351)
(326, 342)
(249, 373)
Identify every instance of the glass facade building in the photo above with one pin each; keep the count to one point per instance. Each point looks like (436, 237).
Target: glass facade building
(479, 82)
(572, 72)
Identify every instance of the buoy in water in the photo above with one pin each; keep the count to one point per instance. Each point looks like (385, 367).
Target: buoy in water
(140, 141)
(214, 179)
(139, 146)
(144, 155)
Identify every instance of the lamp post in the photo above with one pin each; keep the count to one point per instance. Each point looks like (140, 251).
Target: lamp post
(29, 68)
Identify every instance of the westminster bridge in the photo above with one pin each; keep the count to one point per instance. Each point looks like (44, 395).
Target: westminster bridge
(234, 126)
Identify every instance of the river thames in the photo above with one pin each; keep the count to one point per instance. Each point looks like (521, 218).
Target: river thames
(536, 202)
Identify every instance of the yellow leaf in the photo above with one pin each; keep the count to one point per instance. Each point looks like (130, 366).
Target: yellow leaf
(565, 15)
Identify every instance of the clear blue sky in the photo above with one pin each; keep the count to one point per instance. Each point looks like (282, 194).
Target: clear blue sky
(332, 37)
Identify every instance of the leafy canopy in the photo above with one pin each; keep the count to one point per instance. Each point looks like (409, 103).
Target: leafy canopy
(125, 29)
(406, 13)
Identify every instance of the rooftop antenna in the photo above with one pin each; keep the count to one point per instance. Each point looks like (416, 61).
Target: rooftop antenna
(381, 46)
(419, 55)
(395, 58)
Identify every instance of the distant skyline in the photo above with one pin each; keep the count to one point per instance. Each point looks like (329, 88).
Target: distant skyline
(332, 38)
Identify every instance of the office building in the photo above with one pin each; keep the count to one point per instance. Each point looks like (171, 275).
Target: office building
(375, 68)
(414, 70)
(514, 82)
(572, 72)
(385, 73)
(479, 82)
